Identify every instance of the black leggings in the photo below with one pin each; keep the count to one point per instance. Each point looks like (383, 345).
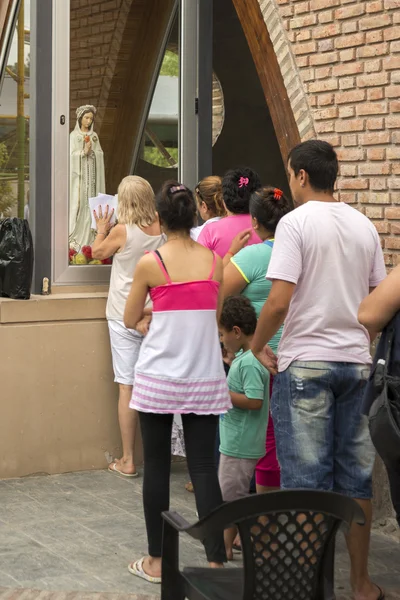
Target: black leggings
(200, 433)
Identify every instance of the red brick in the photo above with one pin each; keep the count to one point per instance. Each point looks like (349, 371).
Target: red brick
(374, 212)
(323, 59)
(374, 7)
(374, 198)
(374, 79)
(347, 83)
(350, 97)
(324, 126)
(302, 61)
(394, 228)
(372, 139)
(396, 137)
(349, 12)
(392, 213)
(348, 197)
(376, 22)
(392, 243)
(349, 27)
(378, 183)
(373, 66)
(303, 21)
(323, 86)
(326, 113)
(381, 226)
(374, 168)
(350, 41)
(391, 62)
(326, 45)
(393, 153)
(391, 4)
(307, 48)
(349, 125)
(375, 124)
(394, 183)
(393, 122)
(348, 69)
(325, 17)
(323, 72)
(303, 35)
(376, 153)
(349, 140)
(322, 4)
(392, 33)
(373, 50)
(347, 55)
(326, 99)
(395, 46)
(372, 108)
(375, 93)
(346, 111)
(353, 154)
(334, 140)
(353, 184)
(348, 170)
(373, 37)
(301, 7)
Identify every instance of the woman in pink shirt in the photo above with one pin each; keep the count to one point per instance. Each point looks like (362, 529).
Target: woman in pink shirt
(237, 188)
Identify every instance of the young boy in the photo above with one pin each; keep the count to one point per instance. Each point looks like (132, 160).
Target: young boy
(243, 428)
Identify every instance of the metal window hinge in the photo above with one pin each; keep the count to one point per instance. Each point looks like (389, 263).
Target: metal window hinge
(196, 106)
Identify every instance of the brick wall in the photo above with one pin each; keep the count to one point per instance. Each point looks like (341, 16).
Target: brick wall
(340, 60)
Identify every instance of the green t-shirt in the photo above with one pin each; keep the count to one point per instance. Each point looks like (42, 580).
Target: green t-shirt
(252, 263)
(243, 432)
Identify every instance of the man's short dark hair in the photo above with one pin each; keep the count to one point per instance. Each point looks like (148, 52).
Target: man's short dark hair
(319, 160)
(238, 311)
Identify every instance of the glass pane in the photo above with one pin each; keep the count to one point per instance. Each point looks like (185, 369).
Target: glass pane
(115, 50)
(14, 122)
(158, 157)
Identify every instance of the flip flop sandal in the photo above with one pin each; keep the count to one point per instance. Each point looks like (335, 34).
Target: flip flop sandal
(381, 593)
(113, 469)
(136, 568)
(236, 549)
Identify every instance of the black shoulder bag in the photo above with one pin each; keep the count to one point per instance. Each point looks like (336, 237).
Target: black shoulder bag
(384, 415)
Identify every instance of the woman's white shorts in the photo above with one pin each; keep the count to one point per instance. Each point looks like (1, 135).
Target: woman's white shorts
(125, 347)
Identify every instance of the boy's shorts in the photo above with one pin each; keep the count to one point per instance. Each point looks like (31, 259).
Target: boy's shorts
(235, 475)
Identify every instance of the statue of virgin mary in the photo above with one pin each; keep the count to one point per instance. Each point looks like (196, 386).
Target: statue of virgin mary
(86, 176)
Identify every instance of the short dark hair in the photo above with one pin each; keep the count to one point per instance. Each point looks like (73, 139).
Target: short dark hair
(238, 311)
(176, 206)
(268, 205)
(237, 187)
(319, 160)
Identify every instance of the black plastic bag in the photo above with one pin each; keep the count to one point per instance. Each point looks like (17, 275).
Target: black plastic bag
(16, 259)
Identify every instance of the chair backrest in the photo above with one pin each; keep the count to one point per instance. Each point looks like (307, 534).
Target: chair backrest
(287, 540)
(283, 553)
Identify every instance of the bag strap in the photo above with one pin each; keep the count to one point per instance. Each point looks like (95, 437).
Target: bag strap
(390, 339)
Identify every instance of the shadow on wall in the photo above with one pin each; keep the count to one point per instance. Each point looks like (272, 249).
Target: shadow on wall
(248, 136)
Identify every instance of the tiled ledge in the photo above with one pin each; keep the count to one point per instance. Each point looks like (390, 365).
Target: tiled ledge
(56, 307)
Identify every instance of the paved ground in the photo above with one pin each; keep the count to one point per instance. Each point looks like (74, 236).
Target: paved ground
(77, 532)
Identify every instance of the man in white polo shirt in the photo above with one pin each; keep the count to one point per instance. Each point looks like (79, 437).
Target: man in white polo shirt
(326, 258)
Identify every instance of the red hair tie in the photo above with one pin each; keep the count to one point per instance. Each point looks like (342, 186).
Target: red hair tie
(277, 194)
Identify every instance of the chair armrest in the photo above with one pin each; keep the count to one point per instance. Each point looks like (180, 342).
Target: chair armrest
(176, 521)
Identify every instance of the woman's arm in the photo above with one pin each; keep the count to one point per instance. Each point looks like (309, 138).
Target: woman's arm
(137, 296)
(234, 282)
(238, 243)
(381, 305)
(105, 245)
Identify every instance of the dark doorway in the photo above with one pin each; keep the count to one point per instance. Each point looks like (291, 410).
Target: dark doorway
(248, 136)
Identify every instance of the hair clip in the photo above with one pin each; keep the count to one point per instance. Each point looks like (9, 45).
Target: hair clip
(277, 194)
(177, 188)
(243, 182)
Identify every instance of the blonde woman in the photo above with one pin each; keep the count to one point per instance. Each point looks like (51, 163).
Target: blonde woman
(138, 231)
(210, 204)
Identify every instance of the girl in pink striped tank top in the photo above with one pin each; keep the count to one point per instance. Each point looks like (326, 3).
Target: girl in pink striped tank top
(179, 369)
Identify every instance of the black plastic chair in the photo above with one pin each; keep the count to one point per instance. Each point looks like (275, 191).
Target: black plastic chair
(288, 544)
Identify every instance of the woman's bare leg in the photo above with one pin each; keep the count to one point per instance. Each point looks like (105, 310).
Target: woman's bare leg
(128, 419)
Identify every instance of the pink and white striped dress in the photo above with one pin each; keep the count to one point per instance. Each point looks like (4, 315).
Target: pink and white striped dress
(180, 368)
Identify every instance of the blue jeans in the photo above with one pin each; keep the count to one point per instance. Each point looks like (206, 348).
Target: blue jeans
(322, 438)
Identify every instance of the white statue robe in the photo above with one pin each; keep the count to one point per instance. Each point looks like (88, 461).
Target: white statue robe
(87, 179)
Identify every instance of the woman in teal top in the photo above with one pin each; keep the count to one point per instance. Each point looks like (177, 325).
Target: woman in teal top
(245, 274)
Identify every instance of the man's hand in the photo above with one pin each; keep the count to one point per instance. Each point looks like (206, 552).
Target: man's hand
(268, 359)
